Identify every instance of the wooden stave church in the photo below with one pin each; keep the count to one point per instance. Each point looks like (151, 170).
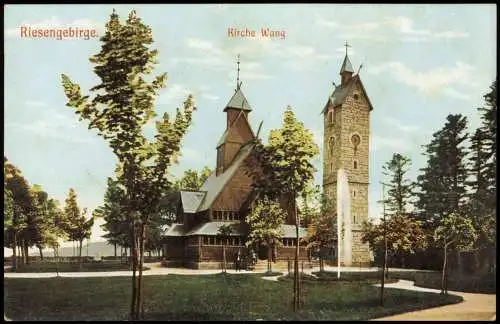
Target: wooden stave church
(226, 197)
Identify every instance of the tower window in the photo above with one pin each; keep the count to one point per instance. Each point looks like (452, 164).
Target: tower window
(330, 116)
(354, 216)
(354, 193)
(355, 140)
(355, 164)
(331, 144)
(356, 96)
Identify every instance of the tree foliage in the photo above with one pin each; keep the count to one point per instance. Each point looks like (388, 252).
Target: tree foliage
(455, 232)
(193, 180)
(442, 185)
(400, 188)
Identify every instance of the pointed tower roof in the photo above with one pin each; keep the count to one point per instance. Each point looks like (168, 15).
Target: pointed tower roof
(238, 101)
(346, 66)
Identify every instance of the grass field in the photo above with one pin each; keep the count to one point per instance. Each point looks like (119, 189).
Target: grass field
(73, 267)
(205, 297)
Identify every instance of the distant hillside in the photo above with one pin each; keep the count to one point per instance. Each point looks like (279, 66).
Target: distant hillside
(103, 248)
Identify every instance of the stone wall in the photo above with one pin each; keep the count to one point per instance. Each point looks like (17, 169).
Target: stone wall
(352, 117)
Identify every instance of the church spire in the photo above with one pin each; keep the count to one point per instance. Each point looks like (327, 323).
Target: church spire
(346, 70)
(238, 83)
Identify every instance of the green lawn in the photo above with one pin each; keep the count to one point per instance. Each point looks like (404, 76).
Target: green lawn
(204, 297)
(73, 267)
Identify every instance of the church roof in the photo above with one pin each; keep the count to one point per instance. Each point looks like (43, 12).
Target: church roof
(175, 230)
(340, 93)
(238, 228)
(223, 138)
(238, 101)
(346, 66)
(212, 228)
(214, 184)
(191, 200)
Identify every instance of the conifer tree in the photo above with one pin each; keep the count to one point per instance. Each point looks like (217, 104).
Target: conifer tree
(442, 185)
(400, 188)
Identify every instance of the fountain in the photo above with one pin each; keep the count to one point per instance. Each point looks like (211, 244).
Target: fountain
(344, 229)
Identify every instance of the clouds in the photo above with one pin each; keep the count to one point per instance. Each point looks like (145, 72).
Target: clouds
(51, 125)
(400, 126)
(438, 80)
(400, 28)
(56, 23)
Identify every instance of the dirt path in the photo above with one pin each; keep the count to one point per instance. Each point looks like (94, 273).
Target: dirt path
(475, 307)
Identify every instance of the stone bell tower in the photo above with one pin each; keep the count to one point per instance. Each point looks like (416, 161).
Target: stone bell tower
(346, 142)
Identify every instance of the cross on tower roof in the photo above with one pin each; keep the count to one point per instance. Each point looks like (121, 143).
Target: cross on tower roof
(346, 46)
(238, 84)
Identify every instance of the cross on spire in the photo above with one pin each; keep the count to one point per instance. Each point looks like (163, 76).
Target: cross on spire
(238, 84)
(346, 46)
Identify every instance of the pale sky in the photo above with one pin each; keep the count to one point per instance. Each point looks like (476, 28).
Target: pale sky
(420, 63)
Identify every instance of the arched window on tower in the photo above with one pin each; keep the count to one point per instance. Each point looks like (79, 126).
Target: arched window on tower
(355, 165)
(330, 116)
(331, 144)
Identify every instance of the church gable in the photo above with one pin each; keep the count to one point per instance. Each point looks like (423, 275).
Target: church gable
(235, 191)
(240, 131)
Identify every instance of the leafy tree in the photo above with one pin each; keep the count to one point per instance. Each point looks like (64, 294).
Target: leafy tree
(403, 233)
(309, 204)
(41, 220)
(78, 228)
(265, 226)
(8, 208)
(22, 199)
(400, 189)
(192, 180)
(284, 170)
(454, 232)
(321, 234)
(123, 105)
(224, 234)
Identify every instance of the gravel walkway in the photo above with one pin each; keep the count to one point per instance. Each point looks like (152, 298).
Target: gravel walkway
(475, 307)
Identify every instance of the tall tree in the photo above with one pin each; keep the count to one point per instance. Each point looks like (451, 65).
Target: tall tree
(22, 207)
(285, 170)
(400, 188)
(453, 232)
(442, 185)
(265, 226)
(123, 105)
(192, 180)
(115, 222)
(78, 227)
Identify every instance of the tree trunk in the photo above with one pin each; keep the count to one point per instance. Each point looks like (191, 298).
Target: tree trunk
(444, 271)
(224, 258)
(41, 252)
(23, 259)
(80, 253)
(26, 252)
(382, 284)
(115, 249)
(134, 269)
(269, 257)
(14, 254)
(459, 264)
(141, 265)
(56, 255)
(296, 285)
